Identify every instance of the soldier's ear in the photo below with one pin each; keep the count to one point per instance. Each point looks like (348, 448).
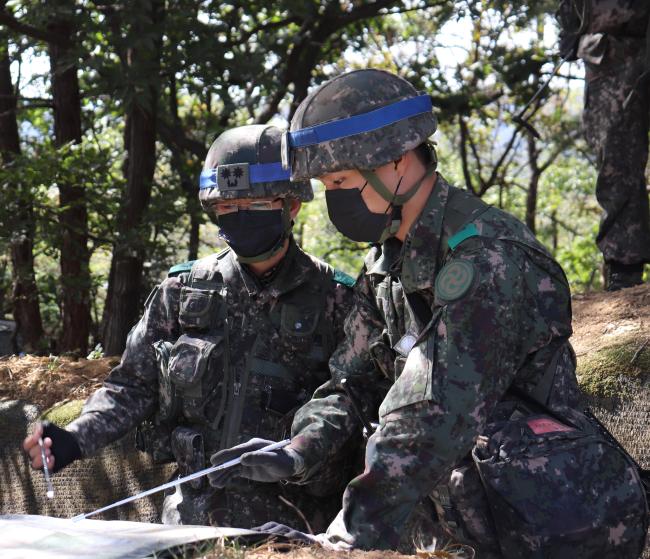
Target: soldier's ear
(295, 207)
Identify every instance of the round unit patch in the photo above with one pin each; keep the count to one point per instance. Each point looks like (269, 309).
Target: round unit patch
(454, 280)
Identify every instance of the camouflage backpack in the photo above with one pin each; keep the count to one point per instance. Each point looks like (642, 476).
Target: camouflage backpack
(543, 485)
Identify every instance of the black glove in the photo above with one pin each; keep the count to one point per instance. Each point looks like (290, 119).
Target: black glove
(257, 465)
(276, 529)
(65, 447)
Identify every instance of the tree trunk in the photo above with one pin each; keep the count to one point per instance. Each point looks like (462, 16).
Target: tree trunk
(193, 248)
(554, 232)
(73, 217)
(533, 183)
(140, 139)
(26, 311)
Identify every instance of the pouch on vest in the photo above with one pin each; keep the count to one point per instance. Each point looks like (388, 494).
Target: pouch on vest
(191, 358)
(278, 394)
(188, 449)
(189, 361)
(299, 321)
(167, 401)
(559, 489)
(199, 308)
(153, 436)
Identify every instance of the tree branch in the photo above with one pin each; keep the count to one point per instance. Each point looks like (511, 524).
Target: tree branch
(35, 33)
(558, 150)
(499, 163)
(174, 137)
(463, 154)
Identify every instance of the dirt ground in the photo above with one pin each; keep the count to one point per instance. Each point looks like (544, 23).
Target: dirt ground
(46, 381)
(598, 318)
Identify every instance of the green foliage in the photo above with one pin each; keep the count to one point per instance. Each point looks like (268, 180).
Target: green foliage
(96, 353)
(63, 414)
(224, 64)
(600, 372)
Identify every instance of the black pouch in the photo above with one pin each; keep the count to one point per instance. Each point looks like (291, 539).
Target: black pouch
(298, 321)
(556, 489)
(167, 399)
(199, 309)
(281, 402)
(153, 436)
(199, 371)
(188, 449)
(189, 360)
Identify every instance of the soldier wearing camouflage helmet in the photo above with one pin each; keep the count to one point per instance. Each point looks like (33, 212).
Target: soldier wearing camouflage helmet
(458, 307)
(228, 348)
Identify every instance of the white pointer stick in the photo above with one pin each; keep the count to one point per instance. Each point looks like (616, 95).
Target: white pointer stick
(180, 480)
(46, 470)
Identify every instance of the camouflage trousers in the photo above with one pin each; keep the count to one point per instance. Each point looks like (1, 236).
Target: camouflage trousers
(619, 138)
(247, 504)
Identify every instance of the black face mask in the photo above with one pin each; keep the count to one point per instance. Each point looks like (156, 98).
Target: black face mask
(252, 233)
(350, 215)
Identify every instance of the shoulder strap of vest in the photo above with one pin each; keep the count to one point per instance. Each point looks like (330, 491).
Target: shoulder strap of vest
(343, 278)
(205, 274)
(179, 269)
(466, 232)
(459, 216)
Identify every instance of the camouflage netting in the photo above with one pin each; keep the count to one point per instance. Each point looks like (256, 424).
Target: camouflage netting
(117, 472)
(618, 391)
(627, 416)
(612, 343)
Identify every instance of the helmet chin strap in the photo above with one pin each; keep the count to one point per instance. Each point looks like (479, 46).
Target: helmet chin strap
(277, 247)
(395, 200)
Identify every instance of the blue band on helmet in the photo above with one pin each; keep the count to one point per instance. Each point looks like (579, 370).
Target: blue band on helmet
(261, 172)
(358, 124)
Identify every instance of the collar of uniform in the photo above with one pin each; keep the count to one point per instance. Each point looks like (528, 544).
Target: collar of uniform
(290, 275)
(421, 250)
(296, 269)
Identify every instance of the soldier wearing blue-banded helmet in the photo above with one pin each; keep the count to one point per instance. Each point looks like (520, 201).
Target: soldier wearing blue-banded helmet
(242, 164)
(228, 347)
(460, 324)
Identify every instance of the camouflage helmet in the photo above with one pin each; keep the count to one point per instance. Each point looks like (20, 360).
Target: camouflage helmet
(244, 162)
(358, 120)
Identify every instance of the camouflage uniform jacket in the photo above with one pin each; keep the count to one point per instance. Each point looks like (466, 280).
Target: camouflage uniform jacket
(500, 313)
(269, 356)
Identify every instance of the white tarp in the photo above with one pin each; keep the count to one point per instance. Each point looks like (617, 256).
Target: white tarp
(44, 537)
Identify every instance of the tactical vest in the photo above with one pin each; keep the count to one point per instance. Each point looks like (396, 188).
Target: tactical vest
(211, 398)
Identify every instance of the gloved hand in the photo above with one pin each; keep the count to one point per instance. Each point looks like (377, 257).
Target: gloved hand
(286, 532)
(61, 448)
(257, 465)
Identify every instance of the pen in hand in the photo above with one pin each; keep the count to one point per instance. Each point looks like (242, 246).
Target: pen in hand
(46, 470)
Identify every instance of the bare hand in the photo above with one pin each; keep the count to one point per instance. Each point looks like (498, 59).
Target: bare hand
(33, 449)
